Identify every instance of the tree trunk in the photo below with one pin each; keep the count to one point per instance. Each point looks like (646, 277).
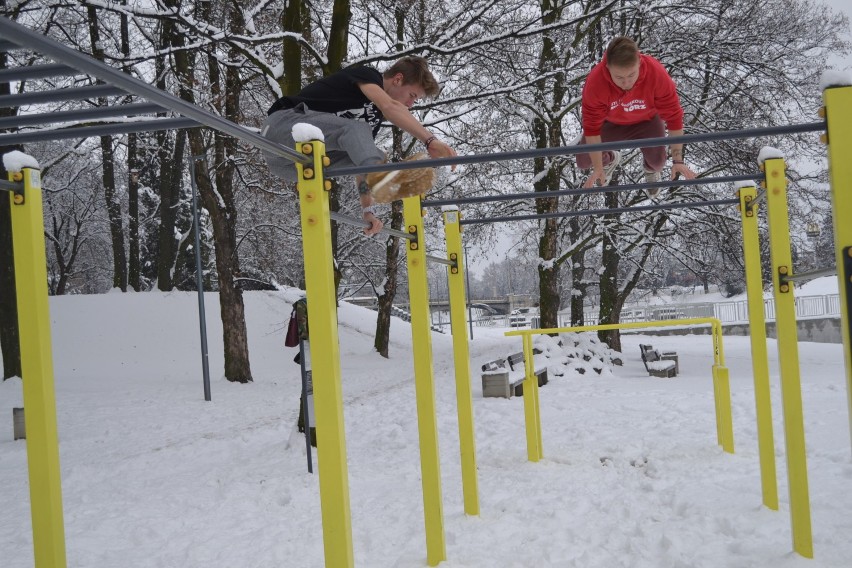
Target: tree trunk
(9, 337)
(171, 160)
(547, 131)
(578, 281)
(386, 299)
(171, 168)
(383, 321)
(610, 307)
(134, 268)
(116, 222)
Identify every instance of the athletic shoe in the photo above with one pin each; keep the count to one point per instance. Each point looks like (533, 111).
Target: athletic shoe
(652, 177)
(398, 184)
(609, 169)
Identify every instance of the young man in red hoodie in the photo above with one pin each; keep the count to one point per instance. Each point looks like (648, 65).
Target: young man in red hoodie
(628, 96)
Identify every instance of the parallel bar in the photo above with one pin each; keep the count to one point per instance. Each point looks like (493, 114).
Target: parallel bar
(788, 356)
(7, 46)
(439, 260)
(589, 190)
(660, 207)
(809, 275)
(532, 406)
(759, 351)
(82, 114)
(580, 149)
(838, 112)
(328, 388)
(461, 362)
(58, 95)
(10, 186)
(346, 219)
(424, 387)
(61, 53)
(45, 481)
(99, 130)
(35, 72)
(759, 198)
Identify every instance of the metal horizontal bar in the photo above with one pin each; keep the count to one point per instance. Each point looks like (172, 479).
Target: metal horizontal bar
(98, 130)
(809, 275)
(64, 54)
(583, 213)
(7, 46)
(586, 191)
(761, 196)
(581, 149)
(439, 260)
(35, 72)
(11, 185)
(57, 95)
(82, 114)
(361, 224)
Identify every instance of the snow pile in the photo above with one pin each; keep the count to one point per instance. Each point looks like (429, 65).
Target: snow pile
(576, 354)
(769, 153)
(833, 78)
(304, 132)
(15, 161)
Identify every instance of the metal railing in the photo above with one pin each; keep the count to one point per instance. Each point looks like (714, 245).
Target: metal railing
(727, 312)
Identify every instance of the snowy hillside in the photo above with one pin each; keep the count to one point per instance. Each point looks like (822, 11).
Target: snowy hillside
(153, 476)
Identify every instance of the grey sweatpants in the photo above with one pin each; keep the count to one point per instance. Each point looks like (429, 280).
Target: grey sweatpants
(347, 142)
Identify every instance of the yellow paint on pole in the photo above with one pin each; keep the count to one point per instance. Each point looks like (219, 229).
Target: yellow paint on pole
(424, 384)
(328, 393)
(461, 360)
(838, 110)
(724, 414)
(532, 408)
(788, 355)
(37, 371)
(759, 355)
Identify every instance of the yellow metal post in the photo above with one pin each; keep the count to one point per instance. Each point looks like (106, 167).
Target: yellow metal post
(532, 408)
(838, 111)
(759, 355)
(724, 418)
(328, 393)
(722, 391)
(461, 359)
(37, 371)
(788, 355)
(424, 384)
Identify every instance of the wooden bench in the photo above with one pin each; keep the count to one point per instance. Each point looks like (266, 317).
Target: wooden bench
(659, 364)
(505, 377)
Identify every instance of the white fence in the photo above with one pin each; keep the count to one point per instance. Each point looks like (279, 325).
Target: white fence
(726, 312)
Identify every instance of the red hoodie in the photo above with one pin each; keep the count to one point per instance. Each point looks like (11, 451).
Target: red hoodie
(654, 93)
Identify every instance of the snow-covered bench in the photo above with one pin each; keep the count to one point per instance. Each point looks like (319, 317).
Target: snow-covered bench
(505, 377)
(659, 364)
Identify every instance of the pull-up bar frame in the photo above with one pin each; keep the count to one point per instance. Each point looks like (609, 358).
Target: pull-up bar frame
(589, 190)
(614, 210)
(581, 149)
(22, 36)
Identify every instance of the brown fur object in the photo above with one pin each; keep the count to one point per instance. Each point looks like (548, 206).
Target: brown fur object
(398, 184)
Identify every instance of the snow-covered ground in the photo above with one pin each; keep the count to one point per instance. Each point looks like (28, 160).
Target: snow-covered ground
(153, 476)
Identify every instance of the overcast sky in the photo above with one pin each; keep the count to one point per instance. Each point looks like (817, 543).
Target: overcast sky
(846, 7)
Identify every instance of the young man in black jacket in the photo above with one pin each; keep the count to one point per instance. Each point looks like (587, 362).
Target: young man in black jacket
(348, 107)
